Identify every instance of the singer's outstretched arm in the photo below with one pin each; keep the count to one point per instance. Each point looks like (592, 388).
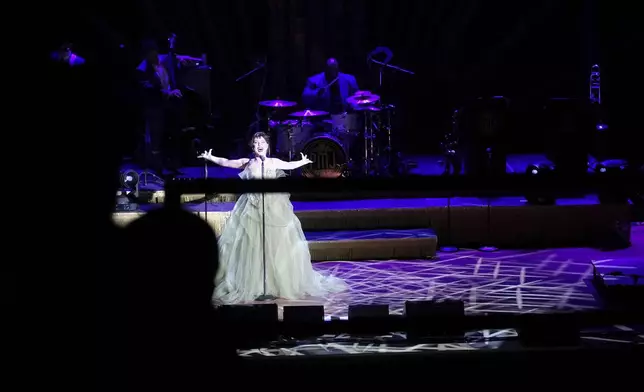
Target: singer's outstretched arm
(280, 164)
(231, 163)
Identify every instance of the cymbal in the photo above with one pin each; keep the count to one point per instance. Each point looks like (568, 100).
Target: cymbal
(278, 103)
(363, 98)
(309, 113)
(367, 109)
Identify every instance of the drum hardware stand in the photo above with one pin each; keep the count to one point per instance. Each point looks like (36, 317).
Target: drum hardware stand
(146, 173)
(258, 65)
(384, 64)
(389, 66)
(290, 143)
(369, 137)
(291, 153)
(269, 116)
(386, 126)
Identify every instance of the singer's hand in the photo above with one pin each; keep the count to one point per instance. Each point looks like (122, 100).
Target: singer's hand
(305, 160)
(206, 155)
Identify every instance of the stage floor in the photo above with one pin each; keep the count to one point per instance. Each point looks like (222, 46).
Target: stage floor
(507, 281)
(528, 281)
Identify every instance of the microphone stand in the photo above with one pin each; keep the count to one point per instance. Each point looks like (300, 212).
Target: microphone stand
(260, 65)
(205, 176)
(252, 71)
(383, 65)
(264, 297)
(389, 66)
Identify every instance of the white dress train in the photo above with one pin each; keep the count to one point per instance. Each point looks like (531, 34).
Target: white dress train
(289, 272)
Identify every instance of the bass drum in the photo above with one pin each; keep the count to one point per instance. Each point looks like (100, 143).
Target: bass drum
(328, 155)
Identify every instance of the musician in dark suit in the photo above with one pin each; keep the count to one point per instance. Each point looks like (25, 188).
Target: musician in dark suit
(330, 89)
(162, 98)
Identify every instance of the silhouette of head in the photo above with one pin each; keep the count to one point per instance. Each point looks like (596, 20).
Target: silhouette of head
(171, 260)
(174, 258)
(332, 69)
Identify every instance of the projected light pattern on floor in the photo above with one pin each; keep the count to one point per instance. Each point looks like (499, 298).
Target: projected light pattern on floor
(507, 281)
(504, 281)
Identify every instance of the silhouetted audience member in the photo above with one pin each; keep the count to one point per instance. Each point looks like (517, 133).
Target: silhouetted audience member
(81, 139)
(172, 332)
(154, 280)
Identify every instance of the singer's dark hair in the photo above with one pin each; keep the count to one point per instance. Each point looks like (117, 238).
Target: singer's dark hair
(257, 135)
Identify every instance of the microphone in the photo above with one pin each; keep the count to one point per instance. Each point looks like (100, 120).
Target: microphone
(263, 158)
(381, 50)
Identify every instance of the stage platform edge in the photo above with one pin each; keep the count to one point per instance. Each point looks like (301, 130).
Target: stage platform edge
(467, 223)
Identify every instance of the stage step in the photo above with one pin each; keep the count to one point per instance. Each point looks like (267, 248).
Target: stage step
(379, 244)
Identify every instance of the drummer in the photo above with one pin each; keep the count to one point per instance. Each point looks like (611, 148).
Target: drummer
(329, 90)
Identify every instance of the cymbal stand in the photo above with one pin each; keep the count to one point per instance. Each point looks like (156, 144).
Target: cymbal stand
(269, 116)
(385, 125)
(369, 137)
(291, 153)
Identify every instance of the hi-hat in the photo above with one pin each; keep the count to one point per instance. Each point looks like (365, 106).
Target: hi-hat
(278, 103)
(363, 98)
(309, 113)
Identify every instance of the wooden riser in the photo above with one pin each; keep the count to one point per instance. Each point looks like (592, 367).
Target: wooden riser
(469, 222)
(372, 244)
(380, 249)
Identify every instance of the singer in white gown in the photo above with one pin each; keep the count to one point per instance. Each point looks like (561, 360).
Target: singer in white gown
(289, 272)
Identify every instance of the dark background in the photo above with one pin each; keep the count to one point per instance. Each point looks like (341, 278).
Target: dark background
(459, 49)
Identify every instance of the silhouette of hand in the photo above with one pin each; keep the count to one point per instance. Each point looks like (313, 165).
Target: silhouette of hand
(305, 160)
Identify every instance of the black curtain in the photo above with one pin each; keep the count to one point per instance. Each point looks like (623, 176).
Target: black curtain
(458, 49)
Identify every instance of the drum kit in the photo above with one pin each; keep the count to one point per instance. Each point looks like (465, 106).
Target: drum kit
(351, 143)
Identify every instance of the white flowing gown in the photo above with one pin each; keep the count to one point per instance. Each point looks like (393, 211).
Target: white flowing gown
(289, 272)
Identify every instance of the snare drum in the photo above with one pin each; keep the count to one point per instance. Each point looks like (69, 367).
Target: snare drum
(345, 124)
(298, 136)
(346, 127)
(328, 155)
